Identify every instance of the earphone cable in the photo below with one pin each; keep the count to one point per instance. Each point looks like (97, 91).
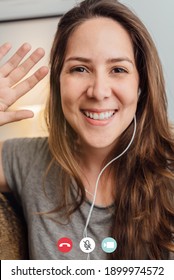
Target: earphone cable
(101, 172)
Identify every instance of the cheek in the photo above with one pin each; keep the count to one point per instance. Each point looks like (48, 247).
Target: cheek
(66, 102)
(131, 100)
(69, 103)
(127, 99)
(127, 94)
(71, 90)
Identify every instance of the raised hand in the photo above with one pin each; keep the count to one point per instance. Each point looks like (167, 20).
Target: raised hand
(11, 86)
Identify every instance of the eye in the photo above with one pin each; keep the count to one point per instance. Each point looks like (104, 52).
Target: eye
(119, 70)
(80, 69)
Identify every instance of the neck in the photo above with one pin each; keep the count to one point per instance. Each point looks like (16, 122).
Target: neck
(93, 158)
(91, 162)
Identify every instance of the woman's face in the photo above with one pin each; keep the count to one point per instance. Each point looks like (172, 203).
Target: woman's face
(99, 82)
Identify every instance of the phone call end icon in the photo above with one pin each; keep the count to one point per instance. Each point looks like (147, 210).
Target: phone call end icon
(64, 245)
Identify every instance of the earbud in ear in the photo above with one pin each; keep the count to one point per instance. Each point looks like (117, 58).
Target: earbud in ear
(139, 92)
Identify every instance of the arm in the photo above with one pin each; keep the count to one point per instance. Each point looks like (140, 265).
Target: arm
(12, 88)
(3, 183)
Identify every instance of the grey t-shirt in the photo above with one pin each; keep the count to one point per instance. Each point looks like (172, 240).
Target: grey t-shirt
(25, 161)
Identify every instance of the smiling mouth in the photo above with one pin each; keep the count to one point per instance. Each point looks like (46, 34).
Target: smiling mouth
(99, 116)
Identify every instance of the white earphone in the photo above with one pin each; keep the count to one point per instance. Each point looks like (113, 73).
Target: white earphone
(98, 178)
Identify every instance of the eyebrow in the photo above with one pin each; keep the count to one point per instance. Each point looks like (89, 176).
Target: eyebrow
(110, 60)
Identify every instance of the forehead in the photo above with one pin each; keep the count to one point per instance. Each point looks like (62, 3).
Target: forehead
(102, 34)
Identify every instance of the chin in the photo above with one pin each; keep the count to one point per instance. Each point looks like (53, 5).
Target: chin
(101, 144)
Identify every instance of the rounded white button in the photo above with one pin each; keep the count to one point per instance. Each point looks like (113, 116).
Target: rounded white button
(87, 245)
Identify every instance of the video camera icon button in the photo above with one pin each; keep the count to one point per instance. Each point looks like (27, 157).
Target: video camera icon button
(109, 245)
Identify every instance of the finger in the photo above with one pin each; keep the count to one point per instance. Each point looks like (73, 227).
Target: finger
(4, 49)
(14, 116)
(14, 61)
(21, 71)
(26, 85)
(11, 95)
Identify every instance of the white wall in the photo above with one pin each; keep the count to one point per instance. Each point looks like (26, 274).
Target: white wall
(15, 9)
(157, 16)
(39, 33)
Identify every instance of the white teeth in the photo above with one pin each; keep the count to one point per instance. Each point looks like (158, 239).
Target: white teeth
(99, 116)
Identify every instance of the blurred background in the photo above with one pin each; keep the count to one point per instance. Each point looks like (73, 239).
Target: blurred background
(35, 21)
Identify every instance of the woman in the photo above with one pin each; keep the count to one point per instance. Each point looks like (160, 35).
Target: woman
(108, 161)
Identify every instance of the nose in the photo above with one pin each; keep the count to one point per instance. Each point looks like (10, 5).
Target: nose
(99, 88)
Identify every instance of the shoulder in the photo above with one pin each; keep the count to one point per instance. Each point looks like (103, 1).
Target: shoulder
(21, 152)
(24, 158)
(171, 256)
(23, 142)
(26, 145)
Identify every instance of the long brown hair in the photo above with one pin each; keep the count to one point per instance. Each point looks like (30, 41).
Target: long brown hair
(143, 222)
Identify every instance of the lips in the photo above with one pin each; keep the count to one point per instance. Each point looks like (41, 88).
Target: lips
(103, 115)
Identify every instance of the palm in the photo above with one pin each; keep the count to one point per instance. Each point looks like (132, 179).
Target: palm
(11, 86)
